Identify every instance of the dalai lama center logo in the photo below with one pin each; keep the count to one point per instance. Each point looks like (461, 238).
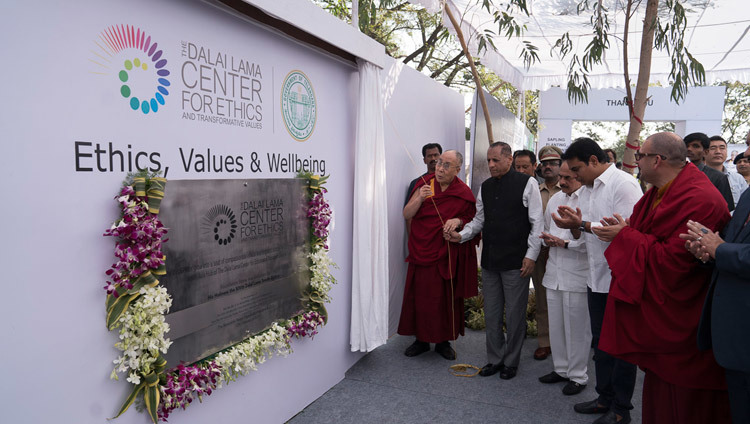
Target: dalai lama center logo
(219, 224)
(135, 65)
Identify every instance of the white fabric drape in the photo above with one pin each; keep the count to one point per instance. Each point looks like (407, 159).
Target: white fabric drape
(369, 322)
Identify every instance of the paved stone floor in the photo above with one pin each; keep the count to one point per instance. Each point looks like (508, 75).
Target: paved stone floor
(387, 387)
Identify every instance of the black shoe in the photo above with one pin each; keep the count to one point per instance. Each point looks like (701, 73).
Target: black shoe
(552, 377)
(417, 348)
(590, 407)
(611, 418)
(490, 369)
(573, 388)
(506, 373)
(445, 350)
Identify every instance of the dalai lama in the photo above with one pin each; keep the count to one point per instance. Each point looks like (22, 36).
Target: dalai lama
(440, 274)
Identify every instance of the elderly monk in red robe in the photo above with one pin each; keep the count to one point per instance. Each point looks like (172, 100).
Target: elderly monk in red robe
(658, 288)
(440, 274)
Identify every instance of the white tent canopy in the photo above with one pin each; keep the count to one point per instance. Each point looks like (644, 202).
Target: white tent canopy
(716, 35)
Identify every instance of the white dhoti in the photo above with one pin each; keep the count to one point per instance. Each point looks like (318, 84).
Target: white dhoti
(569, 333)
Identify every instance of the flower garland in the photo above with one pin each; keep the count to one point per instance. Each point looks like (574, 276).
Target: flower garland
(137, 305)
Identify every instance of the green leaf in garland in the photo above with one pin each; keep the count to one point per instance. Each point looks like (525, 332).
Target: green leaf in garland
(129, 400)
(111, 298)
(139, 185)
(162, 269)
(156, 193)
(151, 396)
(119, 306)
(144, 280)
(321, 309)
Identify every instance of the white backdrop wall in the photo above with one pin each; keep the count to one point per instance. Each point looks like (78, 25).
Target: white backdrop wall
(418, 111)
(62, 88)
(62, 91)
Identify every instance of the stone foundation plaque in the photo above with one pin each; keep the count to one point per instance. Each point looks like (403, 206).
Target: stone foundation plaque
(236, 260)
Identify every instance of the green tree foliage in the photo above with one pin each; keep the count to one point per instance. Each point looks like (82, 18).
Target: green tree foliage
(420, 40)
(736, 122)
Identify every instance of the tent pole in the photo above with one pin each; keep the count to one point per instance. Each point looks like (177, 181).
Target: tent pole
(355, 14)
(474, 72)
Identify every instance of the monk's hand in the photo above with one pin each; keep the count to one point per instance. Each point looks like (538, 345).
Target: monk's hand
(425, 192)
(527, 267)
(452, 225)
(611, 226)
(452, 237)
(708, 240)
(568, 217)
(551, 240)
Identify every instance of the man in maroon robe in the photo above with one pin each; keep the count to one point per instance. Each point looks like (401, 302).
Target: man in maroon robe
(658, 288)
(441, 274)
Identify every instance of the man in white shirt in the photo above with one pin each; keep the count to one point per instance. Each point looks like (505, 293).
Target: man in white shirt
(509, 215)
(607, 191)
(567, 300)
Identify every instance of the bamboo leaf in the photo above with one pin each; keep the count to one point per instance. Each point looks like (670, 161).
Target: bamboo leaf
(129, 400)
(118, 308)
(152, 396)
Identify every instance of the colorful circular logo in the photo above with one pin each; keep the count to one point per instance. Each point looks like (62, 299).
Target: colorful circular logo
(220, 224)
(137, 58)
(298, 105)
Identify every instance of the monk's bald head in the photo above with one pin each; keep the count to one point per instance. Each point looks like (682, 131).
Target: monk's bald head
(671, 146)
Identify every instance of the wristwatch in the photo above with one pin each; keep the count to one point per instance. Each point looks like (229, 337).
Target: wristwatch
(582, 228)
(566, 243)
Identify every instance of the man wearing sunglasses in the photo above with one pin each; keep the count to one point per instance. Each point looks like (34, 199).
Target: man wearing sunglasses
(658, 288)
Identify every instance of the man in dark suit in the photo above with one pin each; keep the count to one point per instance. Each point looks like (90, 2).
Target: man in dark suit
(724, 325)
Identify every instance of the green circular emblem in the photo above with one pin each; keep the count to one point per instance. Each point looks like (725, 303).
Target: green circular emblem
(298, 105)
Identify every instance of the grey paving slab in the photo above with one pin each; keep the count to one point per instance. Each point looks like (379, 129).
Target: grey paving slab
(386, 386)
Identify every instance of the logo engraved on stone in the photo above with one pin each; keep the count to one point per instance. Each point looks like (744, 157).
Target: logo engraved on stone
(298, 105)
(219, 224)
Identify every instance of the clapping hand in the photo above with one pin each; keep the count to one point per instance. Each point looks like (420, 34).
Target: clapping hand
(611, 226)
(568, 217)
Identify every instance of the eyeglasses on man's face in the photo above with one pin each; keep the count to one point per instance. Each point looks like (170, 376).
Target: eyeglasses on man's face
(445, 165)
(639, 155)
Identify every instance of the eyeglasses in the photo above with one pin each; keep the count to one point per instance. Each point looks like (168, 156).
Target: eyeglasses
(445, 165)
(639, 155)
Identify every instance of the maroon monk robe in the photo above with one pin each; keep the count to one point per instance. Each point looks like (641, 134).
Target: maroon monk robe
(658, 288)
(433, 308)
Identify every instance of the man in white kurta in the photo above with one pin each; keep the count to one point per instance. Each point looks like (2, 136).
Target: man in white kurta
(567, 300)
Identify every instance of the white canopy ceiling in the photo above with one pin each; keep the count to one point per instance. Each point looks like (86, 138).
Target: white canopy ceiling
(716, 35)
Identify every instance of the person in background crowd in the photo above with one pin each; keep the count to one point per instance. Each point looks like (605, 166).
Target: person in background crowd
(509, 215)
(658, 288)
(550, 159)
(430, 154)
(565, 281)
(612, 155)
(440, 275)
(524, 161)
(608, 191)
(724, 325)
(717, 154)
(697, 146)
(743, 166)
